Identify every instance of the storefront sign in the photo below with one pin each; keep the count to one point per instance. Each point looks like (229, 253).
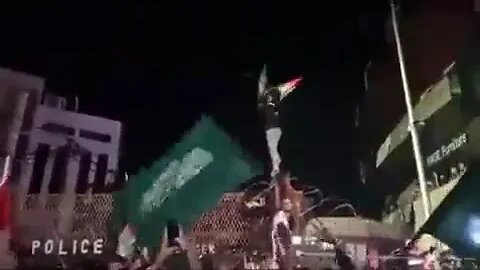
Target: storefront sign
(447, 149)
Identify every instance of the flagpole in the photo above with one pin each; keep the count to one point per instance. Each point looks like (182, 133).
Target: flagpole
(419, 162)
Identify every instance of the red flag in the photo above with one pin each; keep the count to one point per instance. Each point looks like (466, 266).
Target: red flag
(5, 198)
(289, 86)
(5, 204)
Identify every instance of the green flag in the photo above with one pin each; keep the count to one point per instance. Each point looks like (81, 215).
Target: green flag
(125, 238)
(203, 192)
(130, 193)
(456, 221)
(188, 181)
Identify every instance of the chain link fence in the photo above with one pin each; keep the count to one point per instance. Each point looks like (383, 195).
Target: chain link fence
(91, 215)
(222, 226)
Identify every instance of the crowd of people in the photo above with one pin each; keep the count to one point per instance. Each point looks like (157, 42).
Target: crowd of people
(441, 179)
(180, 254)
(183, 254)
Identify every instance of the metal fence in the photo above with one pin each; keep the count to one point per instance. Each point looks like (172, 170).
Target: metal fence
(222, 226)
(90, 216)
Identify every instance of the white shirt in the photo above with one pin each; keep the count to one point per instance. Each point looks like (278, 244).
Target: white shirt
(280, 218)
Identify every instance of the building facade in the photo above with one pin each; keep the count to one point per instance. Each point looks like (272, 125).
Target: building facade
(69, 154)
(20, 94)
(94, 140)
(445, 87)
(434, 33)
(450, 140)
(443, 119)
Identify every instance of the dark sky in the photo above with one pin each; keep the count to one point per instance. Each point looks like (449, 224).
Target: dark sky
(157, 68)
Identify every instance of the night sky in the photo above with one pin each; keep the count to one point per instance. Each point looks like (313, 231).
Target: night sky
(157, 68)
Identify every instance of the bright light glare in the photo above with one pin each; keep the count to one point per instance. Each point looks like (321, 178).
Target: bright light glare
(413, 262)
(475, 237)
(474, 230)
(296, 240)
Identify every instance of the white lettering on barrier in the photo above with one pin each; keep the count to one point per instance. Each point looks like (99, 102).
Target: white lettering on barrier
(206, 248)
(61, 251)
(48, 247)
(52, 247)
(98, 246)
(35, 245)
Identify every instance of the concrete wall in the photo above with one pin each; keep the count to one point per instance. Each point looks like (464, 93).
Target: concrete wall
(79, 122)
(63, 210)
(76, 122)
(20, 93)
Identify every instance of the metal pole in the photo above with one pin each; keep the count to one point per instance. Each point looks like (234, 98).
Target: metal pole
(411, 118)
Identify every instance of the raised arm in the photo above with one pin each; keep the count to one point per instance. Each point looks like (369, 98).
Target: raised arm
(189, 247)
(163, 253)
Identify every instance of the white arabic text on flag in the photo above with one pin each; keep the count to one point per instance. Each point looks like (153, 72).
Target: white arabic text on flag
(177, 174)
